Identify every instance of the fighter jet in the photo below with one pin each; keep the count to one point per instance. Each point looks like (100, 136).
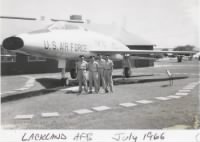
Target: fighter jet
(65, 42)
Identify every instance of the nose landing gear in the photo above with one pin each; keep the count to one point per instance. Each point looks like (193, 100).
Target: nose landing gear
(64, 82)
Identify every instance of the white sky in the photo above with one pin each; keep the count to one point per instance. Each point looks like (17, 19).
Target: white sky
(167, 23)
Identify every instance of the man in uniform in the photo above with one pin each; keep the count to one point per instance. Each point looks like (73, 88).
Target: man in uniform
(81, 70)
(108, 74)
(101, 79)
(93, 74)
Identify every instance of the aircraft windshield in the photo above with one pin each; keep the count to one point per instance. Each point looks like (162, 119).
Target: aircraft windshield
(63, 26)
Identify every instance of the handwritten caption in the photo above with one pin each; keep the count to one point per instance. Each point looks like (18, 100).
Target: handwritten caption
(94, 137)
(131, 137)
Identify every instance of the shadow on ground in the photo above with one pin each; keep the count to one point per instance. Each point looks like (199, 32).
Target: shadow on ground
(49, 82)
(166, 85)
(54, 82)
(29, 94)
(52, 85)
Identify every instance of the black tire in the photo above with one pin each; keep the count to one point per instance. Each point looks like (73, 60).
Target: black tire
(73, 73)
(179, 58)
(127, 72)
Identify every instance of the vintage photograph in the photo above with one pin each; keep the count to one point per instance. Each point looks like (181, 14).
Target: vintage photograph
(100, 64)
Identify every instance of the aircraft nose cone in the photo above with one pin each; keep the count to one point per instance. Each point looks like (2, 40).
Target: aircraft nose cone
(13, 43)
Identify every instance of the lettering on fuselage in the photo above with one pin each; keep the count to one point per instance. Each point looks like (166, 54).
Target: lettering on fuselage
(65, 46)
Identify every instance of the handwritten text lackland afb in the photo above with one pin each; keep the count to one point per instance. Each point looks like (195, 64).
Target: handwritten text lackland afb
(85, 137)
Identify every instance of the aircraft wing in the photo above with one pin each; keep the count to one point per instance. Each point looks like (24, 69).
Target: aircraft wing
(35, 18)
(13, 25)
(18, 18)
(143, 58)
(132, 52)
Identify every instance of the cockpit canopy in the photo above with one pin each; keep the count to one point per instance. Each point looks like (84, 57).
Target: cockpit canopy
(57, 26)
(63, 26)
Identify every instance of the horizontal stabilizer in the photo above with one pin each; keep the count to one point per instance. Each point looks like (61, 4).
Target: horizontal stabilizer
(18, 18)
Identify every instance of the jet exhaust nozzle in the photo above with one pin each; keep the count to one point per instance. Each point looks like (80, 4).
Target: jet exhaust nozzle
(13, 43)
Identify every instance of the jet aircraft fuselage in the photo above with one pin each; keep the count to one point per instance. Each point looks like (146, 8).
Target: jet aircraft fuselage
(64, 43)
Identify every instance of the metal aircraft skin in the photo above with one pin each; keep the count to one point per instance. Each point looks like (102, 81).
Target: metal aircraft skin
(64, 42)
(67, 41)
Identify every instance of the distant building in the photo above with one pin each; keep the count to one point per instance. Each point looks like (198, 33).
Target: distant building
(12, 63)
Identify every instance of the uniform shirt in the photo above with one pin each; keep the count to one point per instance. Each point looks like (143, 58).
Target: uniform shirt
(82, 65)
(93, 66)
(101, 63)
(108, 65)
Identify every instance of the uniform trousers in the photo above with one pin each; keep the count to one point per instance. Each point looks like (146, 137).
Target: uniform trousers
(101, 78)
(82, 78)
(93, 77)
(108, 79)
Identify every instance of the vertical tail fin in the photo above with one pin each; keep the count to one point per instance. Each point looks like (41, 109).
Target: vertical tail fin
(119, 26)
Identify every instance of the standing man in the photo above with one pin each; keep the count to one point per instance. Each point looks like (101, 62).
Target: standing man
(101, 79)
(81, 70)
(108, 74)
(93, 74)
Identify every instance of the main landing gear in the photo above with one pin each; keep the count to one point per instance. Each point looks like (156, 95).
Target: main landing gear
(73, 73)
(126, 66)
(64, 81)
(179, 58)
(127, 72)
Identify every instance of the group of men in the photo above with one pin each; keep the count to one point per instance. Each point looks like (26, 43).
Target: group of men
(99, 72)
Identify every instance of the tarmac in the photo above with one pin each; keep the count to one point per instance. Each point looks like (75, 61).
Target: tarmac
(16, 90)
(144, 101)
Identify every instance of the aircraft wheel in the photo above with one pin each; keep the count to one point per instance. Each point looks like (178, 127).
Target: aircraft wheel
(64, 82)
(73, 73)
(127, 72)
(179, 58)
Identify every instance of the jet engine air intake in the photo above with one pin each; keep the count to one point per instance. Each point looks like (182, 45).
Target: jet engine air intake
(13, 43)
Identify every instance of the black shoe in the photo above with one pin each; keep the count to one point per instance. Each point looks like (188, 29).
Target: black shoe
(90, 92)
(106, 91)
